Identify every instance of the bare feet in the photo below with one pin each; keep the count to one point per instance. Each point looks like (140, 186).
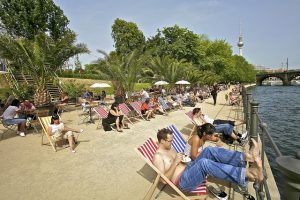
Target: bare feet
(255, 172)
(253, 153)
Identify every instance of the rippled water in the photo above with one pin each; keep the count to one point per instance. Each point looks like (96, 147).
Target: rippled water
(279, 107)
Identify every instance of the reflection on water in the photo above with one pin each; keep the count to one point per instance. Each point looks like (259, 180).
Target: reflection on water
(279, 107)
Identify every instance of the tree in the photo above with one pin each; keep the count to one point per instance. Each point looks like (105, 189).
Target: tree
(28, 18)
(121, 70)
(41, 58)
(127, 37)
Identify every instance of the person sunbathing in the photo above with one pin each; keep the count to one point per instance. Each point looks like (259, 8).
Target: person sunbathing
(222, 126)
(58, 131)
(216, 162)
(146, 110)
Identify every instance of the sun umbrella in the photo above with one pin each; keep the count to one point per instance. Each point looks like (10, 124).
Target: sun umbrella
(3, 72)
(100, 85)
(182, 82)
(161, 83)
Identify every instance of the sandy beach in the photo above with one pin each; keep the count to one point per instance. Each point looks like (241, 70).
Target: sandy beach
(105, 165)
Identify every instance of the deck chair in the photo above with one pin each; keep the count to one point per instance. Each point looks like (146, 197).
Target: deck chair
(137, 107)
(125, 110)
(45, 121)
(146, 152)
(7, 127)
(102, 113)
(163, 104)
(190, 116)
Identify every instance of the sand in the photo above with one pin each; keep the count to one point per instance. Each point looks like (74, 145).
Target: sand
(105, 165)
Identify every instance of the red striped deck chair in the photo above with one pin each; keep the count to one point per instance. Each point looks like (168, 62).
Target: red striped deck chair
(190, 116)
(125, 110)
(146, 152)
(102, 113)
(137, 107)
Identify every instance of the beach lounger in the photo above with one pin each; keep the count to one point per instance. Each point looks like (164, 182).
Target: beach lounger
(163, 104)
(137, 107)
(102, 113)
(45, 122)
(146, 152)
(125, 110)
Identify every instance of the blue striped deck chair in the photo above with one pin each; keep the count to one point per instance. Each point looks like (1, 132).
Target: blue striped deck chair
(179, 144)
(178, 141)
(163, 104)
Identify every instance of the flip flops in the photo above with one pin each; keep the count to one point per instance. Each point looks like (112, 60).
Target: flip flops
(219, 194)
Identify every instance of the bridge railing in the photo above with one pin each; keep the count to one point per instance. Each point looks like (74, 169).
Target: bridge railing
(288, 165)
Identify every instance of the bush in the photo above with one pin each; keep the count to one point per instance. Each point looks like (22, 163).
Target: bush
(73, 89)
(25, 92)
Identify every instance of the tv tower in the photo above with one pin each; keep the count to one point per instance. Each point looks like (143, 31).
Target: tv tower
(240, 44)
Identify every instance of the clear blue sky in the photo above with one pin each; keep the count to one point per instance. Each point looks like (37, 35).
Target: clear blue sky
(270, 28)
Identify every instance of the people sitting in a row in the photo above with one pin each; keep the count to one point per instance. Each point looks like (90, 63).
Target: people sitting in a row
(213, 161)
(115, 116)
(226, 127)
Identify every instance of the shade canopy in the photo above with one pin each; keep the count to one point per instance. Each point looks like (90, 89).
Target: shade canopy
(182, 82)
(3, 72)
(100, 85)
(161, 83)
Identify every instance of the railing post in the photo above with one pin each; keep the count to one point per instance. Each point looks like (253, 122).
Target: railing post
(254, 120)
(248, 111)
(290, 168)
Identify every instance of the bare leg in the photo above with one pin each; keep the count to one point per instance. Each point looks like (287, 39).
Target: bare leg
(71, 143)
(21, 127)
(255, 172)
(118, 124)
(253, 153)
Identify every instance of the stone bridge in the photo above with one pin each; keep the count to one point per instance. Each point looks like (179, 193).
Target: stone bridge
(285, 76)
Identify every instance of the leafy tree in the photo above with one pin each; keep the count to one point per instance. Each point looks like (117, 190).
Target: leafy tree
(41, 58)
(121, 70)
(28, 18)
(127, 36)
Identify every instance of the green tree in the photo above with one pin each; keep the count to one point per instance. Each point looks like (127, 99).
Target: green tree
(127, 36)
(123, 71)
(28, 18)
(41, 58)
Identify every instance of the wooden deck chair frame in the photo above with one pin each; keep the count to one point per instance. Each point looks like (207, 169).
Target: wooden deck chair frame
(7, 127)
(136, 105)
(45, 122)
(35, 123)
(125, 110)
(146, 157)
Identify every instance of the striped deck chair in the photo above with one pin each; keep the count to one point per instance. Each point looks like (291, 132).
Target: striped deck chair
(179, 144)
(45, 122)
(146, 152)
(102, 113)
(125, 110)
(137, 107)
(163, 104)
(190, 116)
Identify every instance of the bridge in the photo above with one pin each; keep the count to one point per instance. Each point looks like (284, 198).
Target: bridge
(285, 76)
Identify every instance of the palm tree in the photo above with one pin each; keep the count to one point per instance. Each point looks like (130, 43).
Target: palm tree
(122, 70)
(41, 57)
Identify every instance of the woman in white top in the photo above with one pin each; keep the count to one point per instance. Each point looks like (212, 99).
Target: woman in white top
(58, 131)
(195, 144)
(9, 117)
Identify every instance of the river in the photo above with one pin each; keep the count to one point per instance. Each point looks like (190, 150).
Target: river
(279, 107)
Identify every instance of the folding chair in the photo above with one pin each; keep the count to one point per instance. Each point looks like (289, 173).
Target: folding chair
(102, 113)
(7, 127)
(125, 110)
(146, 152)
(163, 104)
(137, 107)
(190, 116)
(45, 122)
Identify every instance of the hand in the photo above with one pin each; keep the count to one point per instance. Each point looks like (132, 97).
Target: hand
(178, 158)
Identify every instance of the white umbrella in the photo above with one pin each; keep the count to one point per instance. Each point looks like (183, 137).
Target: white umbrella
(182, 82)
(3, 72)
(100, 85)
(161, 83)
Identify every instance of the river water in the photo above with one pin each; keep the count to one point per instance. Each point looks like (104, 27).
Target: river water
(279, 107)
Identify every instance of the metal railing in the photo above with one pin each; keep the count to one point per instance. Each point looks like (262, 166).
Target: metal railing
(288, 165)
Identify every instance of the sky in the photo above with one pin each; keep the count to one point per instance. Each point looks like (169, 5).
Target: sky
(270, 28)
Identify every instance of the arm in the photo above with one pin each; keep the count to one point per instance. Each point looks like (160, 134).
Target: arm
(114, 113)
(158, 162)
(49, 131)
(196, 143)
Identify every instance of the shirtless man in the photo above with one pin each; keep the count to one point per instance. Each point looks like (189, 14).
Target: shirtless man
(213, 161)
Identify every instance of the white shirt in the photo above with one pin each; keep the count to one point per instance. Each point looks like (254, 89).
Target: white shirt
(145, 94)
(208, 120)
(10, 112)
(56, 127)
